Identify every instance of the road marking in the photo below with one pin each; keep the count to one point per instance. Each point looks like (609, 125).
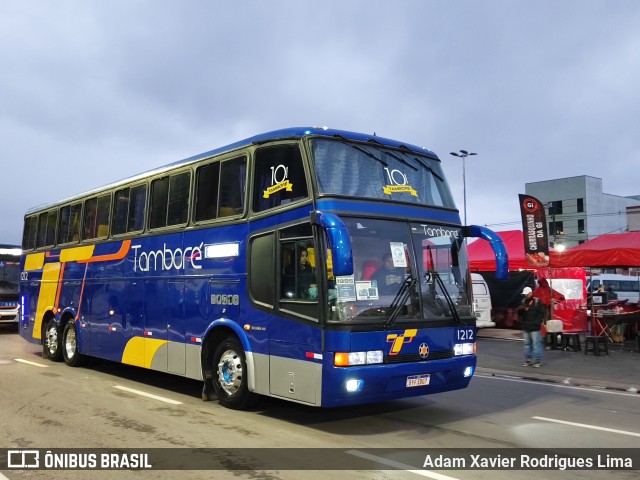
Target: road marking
(400, 466)
(584, 425)
(148, 395)
(31, 363)
(556, 385)
(2, 477)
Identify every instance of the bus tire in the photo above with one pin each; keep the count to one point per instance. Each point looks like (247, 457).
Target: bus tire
(52, 345)
(70, 353)
(230, 380)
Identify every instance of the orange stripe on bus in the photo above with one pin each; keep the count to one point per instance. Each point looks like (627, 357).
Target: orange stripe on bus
(119, 255)
(59, 292)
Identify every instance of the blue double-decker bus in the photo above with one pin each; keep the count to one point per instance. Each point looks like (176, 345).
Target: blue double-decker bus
(319, 266)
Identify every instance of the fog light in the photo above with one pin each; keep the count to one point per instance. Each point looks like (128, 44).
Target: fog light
(354, 385)
(468, 371)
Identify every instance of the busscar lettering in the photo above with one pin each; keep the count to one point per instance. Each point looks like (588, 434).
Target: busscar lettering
(166, 258)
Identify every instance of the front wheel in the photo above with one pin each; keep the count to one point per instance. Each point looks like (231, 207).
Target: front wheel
(230, 380)
(70, 352)
(51, 346)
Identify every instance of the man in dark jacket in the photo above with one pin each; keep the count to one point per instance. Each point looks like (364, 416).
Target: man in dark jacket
(532, 313)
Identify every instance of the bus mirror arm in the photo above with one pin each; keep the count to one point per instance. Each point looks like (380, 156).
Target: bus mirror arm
(339, 240)
(497, 245)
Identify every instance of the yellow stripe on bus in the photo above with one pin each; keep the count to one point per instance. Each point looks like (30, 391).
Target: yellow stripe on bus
(34, 261)
(140, 351)
(77, 254)
(47, 296)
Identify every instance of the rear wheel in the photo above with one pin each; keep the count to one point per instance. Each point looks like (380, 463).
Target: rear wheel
(70, 353)
(230, 380)
(51, 346)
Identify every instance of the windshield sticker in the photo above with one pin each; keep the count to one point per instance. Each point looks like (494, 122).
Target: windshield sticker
(389, 189)
(279, 181)
(367, 290)
(397, 253)
(397, 183)
(346, 288)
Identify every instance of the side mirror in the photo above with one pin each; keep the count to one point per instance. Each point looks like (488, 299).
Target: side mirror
(497, 245)
(339, 241)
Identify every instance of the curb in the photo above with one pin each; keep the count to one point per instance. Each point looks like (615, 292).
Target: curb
(574, 382)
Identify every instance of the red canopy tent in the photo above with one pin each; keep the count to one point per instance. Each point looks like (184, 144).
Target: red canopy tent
(508, 294)
(609, 250)
(482, 258)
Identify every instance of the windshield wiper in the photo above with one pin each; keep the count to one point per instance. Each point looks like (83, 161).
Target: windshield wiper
(445, 292)
(368, 154)
(447, 297)
(400, 299)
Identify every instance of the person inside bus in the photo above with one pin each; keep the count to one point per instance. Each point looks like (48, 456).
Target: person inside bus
(388, 276)
(301, 278)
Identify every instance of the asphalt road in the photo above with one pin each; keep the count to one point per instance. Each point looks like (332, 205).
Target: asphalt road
(50, 405)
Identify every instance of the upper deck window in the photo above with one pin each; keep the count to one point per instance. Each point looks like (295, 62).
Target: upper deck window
(129, 209)
(375, 171)
(69, 228)
(96, 217)
(169, 200)
(279, 177)
(220, 188)
(47, 229)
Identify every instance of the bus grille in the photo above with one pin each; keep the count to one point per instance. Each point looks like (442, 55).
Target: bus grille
(414, 357)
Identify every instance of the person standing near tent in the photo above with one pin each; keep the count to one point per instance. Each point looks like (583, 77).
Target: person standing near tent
(532, 315)
(548, 296)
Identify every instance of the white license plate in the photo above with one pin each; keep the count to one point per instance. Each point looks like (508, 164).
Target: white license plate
(418, 380)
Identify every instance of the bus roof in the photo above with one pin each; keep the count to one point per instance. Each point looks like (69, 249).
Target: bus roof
(282, 134)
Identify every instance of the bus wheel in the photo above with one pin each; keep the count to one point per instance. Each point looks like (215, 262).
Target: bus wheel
(52, 345)
(230, 377)
(70, 353)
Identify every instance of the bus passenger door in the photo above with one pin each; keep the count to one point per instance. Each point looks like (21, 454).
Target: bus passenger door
(295, 338)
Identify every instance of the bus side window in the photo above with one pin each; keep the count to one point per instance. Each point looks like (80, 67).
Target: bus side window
(279, 177)
(96, 217)
(207, 181)
(47, 229)
(29, 234)
(129, 210)
(69, 228)
(232, 187)
(261, 269)
(220, 189)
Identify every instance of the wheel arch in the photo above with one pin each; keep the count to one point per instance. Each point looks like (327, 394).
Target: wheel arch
(216, 333)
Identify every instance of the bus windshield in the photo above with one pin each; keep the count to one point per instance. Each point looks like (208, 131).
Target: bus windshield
(375, 171)
(403, 272)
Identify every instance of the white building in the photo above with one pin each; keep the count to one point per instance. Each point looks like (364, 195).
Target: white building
(578, 211)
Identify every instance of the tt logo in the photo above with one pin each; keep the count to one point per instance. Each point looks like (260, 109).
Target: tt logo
(399, 340)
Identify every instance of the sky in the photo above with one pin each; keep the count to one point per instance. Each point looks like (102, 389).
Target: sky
(93, 91)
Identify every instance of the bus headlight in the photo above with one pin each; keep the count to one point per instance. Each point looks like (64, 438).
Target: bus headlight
(464, 349)
(350, 359)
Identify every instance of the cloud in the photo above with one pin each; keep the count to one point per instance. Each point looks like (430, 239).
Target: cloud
(97, 91)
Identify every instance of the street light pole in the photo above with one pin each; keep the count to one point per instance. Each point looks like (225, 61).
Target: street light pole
(464, 154)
